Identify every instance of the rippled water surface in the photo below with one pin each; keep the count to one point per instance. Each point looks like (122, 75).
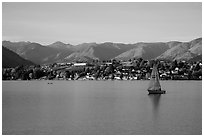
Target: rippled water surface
(100, 107)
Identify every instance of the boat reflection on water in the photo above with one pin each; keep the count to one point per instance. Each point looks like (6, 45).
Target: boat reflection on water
(155, 99)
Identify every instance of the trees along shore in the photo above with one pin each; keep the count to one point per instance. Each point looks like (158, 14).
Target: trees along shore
(135, 69)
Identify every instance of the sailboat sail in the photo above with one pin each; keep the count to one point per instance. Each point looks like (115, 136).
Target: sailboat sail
(154, 80)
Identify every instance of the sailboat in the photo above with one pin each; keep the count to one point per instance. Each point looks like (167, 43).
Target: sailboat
(154, 85)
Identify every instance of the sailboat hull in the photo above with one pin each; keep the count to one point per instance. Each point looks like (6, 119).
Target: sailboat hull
(156, 91)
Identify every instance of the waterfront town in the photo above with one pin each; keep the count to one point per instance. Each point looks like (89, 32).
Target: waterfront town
(133, 69)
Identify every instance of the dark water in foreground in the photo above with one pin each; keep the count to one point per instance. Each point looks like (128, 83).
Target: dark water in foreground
(100, 107)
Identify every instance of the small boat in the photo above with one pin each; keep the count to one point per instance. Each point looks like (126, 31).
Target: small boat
(154, 85)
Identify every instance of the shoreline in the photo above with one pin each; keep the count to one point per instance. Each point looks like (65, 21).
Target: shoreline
(104, 80)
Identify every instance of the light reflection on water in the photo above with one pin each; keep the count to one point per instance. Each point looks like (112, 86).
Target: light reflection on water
(100, 107)
(155, 103)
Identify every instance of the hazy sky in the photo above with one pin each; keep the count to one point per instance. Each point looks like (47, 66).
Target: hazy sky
(76, 23)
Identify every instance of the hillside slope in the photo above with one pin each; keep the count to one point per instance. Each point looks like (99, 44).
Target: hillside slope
(61, 52)
(183, 50)
(11, 59)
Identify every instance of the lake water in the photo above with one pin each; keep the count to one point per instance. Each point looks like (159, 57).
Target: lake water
(100, 108)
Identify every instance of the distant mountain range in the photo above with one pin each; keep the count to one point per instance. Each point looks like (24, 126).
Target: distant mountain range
(183, 50)
(11, 59)
(61, 52)
(38, 53)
